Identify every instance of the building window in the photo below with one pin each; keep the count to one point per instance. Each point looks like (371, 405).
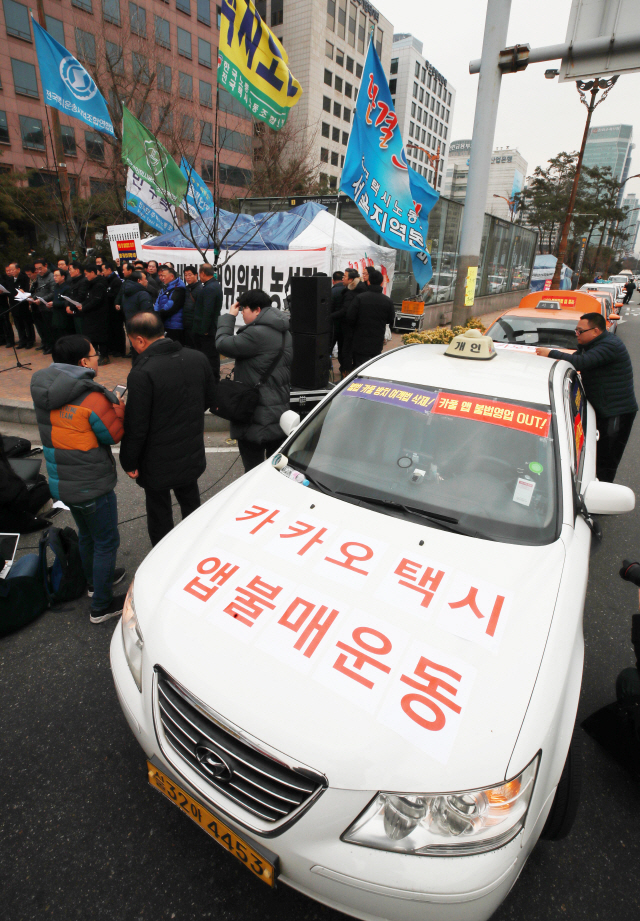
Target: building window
(430, 121)
(339, 57)
(423, 135)
(184, 43)
(337, 109)
(111, 11)
(24, 78)
(351, 38)
(345, 138)
(325, 130)
(276, 12)
(206, 134)
(138, 19)
(334, 158)
(358, 70)
(83, 5)
(206, 94)
(328, 77)
(394, 66)
(446, 116)
(164, 78)
(186, 128)
(55, 28)
(234, 140)
(144, 116)
(335, 135)
(424, 75)
(444, 148)
(361, 34)
(338, 84)
(163, 36)
(32, 133)
(115, 59)
(16, 17)
(350, 65)
(346, 114)
(379, 42)
(392, 86)
(328, 50)
(204, 12)
(355, 94)
(411, 129)
(416, 71)
(413, 110)
(184, 6)
(333, 182)
(348, 90)
(186, 85)
(165, 115)
(324, 155)
(94, 145)
(428, 140)
(235, 175)
(204, 52)
(218, 17)
(326, 104)
(140, 67)
(4, 129)
(342, 17)
(445, 132)
(331, 15)
(207, 170)
(85, 46)
(228, 103)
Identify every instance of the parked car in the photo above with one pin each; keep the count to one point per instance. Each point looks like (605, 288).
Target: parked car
(357, 667)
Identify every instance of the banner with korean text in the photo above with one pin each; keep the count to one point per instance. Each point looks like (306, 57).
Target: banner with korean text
(393, 198)
(252, 64)
(198, 197)
(151, 160)
(143, 201)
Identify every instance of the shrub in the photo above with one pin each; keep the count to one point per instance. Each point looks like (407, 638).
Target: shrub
(441, 335)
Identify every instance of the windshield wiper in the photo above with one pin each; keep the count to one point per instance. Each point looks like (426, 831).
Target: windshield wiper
(321, 487)
(445, 522)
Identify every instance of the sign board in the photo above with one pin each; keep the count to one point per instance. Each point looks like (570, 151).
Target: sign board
(608, 19)
(470, 287)
(124, 240)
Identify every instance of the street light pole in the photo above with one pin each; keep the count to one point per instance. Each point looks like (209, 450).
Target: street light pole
(594, 86)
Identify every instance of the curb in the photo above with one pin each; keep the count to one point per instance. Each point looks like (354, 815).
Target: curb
(22, 412)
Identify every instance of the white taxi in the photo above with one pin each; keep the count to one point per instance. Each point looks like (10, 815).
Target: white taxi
(357, 668)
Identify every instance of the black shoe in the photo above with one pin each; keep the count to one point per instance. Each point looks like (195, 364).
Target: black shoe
(113, 609)
(30, 345)
(118, 575)
(47, 351)
(39, 348)
(9, 345)
(21, 345)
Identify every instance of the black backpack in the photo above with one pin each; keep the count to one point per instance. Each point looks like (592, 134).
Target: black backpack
(65, 580)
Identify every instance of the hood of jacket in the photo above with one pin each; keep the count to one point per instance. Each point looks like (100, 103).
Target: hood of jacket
(60, 384)
(269, 316)
(130, 287)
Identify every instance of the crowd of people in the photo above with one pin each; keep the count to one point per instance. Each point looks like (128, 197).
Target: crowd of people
(360, 314)
(96, 299)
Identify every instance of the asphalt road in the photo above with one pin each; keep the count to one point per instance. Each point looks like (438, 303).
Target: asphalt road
(82, 835)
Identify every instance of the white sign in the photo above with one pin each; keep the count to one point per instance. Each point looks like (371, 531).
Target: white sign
(611, 20)
(124, 239)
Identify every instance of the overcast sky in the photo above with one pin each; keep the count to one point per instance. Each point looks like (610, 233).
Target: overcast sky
(540, 117)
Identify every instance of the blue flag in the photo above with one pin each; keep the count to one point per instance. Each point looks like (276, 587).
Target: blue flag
(67, 85)
(394, 199)
(142, 200)
(198, 198)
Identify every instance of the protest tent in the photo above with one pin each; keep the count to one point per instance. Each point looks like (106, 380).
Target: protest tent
(263, 250)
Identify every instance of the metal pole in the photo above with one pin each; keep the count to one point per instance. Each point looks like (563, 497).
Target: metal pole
(61, 166)
(333, 232)
(484, 126)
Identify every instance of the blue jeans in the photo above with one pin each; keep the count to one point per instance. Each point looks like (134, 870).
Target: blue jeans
(98, 540)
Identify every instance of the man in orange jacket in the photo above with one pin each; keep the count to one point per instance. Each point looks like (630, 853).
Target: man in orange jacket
(79, 420)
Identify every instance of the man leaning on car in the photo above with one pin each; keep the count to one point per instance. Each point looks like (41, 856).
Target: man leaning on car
(607, 375)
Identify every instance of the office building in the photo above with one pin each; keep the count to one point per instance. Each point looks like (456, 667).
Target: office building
(506, 177)
(610, 145)
(424, 101)
(160, 59)
(629, 227)
(327, 42)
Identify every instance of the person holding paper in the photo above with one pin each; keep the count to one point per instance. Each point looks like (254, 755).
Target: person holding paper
(95, 313)
(42, 295)
(17, 281)
(62, 322)
(78, 289)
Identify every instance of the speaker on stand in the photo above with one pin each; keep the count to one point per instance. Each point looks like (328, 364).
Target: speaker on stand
(310, 331)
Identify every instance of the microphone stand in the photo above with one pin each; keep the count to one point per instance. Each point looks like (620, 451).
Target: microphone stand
(26, 365)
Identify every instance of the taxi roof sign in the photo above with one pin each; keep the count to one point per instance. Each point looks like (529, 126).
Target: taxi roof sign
(471, 344)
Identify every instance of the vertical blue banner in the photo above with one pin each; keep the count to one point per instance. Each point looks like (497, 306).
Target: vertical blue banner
(198, 197)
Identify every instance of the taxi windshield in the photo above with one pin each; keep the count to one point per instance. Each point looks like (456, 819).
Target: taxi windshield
(461, 462)
(545, 331)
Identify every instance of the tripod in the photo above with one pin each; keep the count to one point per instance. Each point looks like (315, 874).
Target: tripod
(26, 365)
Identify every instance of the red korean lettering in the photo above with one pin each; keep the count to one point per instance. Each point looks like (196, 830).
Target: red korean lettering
(428, 583)
(257, 511)
(372, 93)
(301, 529)
(251, 601)
(218, 573)
(350, 558)
(471, 601)
(363, 658)
(430, 694)
(296, 617)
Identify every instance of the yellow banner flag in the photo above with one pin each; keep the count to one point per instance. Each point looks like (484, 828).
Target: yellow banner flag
(252, 64)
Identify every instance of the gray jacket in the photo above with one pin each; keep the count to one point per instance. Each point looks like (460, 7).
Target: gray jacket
(44, 287)
(254, 348)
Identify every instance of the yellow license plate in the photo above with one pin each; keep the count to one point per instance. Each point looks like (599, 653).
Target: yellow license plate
(256, 863)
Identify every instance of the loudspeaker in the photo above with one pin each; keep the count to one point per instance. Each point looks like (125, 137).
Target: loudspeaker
(311, 363)
(310, 304)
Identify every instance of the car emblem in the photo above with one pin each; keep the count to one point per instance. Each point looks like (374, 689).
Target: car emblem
(213, 763)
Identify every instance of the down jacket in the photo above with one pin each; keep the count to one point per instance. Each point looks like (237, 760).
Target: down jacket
(607, 374)
(134, 298)
(95, 311)
(254, 348)
(368, 314)
(169, 389)
(78, 420)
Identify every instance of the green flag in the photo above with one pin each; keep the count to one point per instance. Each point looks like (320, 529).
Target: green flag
(146, 156)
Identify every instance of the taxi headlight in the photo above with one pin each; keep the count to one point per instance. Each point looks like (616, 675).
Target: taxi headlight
(448, 824)
(132, 638)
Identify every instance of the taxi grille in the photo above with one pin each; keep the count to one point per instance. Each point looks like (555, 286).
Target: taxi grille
(265, 787)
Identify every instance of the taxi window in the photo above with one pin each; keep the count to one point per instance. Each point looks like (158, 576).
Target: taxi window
(545, 331)
(576, 405)
(482, 466)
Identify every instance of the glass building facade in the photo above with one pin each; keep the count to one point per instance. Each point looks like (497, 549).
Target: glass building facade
(610, 145)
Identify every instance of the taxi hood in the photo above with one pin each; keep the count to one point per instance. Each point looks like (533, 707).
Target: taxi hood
(382, 653)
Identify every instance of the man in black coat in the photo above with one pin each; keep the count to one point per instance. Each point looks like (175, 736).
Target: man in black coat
(116, 317)
(607, 375)
(206, 310)
(95, 313)
(17, 280)
(78, 290)
(629, 288)
(169, 389)
(353, 286)
(368, 315)
(337, 314)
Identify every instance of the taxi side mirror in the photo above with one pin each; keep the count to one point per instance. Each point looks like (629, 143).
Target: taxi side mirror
(289, 421)
(614, 316)
(608, 498)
